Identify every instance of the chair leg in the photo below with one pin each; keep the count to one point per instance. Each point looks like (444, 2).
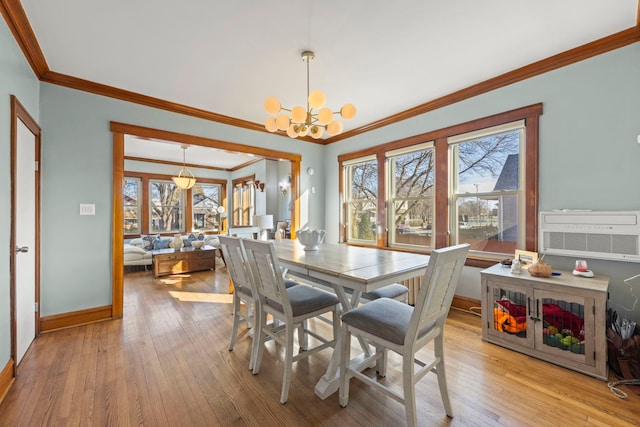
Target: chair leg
(236, 321)
(442, 377)
(259, 338)
(343, 394)
(381, 362)
(288, 363)
(303, 337)
(408, 386)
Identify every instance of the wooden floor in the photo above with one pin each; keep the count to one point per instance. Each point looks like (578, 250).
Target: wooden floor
(166, 363)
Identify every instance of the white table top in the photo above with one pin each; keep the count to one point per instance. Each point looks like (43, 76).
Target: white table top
(363, 269)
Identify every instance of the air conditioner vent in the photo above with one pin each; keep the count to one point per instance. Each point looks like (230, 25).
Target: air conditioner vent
(591, 234)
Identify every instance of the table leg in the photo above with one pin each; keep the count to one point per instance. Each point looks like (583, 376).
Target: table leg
(329, 383)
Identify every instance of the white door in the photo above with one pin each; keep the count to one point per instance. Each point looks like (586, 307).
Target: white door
(25, 238)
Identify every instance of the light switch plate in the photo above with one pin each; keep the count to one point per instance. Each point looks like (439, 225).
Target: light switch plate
(87, 209)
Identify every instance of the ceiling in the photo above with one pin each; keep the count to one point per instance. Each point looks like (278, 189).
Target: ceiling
(385, 57)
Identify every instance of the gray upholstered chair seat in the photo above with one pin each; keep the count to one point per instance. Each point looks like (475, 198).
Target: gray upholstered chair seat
(384, 317)
(305, 299)
(393, 291)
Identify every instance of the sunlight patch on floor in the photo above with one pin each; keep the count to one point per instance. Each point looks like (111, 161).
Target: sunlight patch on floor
(202, 297)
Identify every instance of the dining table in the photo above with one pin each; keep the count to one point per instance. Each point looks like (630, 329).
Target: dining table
(350, 271)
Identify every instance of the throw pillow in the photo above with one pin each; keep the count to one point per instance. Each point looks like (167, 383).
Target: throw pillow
(148, 241)
(161, 244)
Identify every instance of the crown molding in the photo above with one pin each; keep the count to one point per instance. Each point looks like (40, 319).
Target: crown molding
(17, 21)
(580, 53)
(23, 33)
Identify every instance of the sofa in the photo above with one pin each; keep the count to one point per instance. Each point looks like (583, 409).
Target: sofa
(137, 251)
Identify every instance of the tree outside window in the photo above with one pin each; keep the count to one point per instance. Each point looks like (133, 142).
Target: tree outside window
(166, 207)
(411, 190)
(132, 198)
(362, 192)
(487, 191)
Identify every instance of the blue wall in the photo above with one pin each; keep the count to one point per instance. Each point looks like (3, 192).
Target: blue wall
(589, 154)
(588, 159)
(16, 78)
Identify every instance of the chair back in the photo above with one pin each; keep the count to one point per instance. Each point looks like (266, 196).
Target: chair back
(236, 260)
(438, 287)
(269, 284)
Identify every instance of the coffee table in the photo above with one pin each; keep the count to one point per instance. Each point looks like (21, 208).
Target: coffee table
(185, 260)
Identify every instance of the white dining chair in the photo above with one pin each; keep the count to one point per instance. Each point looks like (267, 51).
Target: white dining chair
(240, 275)
(392, 325)
(292, 307)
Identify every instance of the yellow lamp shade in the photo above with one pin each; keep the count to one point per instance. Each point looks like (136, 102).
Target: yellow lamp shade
(272, 105)
(291, 131)
(316, 132)
(335, 128)
(270, 124)
(282, 121)
(316, 99)
(348, 111)
(298, 114)
(303, 130)
(325, 116)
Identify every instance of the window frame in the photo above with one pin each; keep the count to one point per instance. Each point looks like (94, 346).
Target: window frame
(137, 207)
(455, 194)
(350, 200)
(145, 179)
(531, 117)
(244, 206)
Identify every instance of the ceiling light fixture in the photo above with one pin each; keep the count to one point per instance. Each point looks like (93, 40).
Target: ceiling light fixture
(313, 120)
(185, 179)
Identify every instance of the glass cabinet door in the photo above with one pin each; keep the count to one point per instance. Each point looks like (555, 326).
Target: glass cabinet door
(508, 313)
(564, 325)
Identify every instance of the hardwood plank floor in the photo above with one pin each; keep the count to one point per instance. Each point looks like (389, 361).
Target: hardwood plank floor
(166, 363)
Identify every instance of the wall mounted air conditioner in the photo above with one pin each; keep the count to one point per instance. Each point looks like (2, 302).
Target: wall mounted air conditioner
(591, 234)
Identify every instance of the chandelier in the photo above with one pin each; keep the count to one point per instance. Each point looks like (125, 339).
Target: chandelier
(310, 121)
(185, 179)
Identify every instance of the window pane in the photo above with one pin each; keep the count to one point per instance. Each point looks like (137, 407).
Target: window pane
(205, 199)
(362, 192)
(167, 208)
(487, 192)
(244, 197)
(132, 199)
(411, 194)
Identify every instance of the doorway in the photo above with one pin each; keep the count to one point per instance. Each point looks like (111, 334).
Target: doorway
(25, 231)
(119, 131)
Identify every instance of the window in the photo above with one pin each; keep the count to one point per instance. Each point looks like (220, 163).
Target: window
(244, 197)
(205, 199)
(411, 189)
(475, 182)
(487, 192)
(361, 199)
(132, 195)
(153, 204)
(166, 207)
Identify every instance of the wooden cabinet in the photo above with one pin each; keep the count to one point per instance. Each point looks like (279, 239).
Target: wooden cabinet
(560, 319)
(169, 261)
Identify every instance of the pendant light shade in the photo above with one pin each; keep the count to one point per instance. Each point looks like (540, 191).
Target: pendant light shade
(185, 179)
(315, 120)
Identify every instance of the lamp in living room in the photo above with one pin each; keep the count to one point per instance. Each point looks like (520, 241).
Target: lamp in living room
(185, 179)
(263, 222)
(314, 120)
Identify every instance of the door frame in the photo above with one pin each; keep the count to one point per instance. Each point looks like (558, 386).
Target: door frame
(119, 130)
(18, 112)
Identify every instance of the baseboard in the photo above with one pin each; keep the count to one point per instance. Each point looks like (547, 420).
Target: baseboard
(6, 379)
(75, 318)
(466, 304)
